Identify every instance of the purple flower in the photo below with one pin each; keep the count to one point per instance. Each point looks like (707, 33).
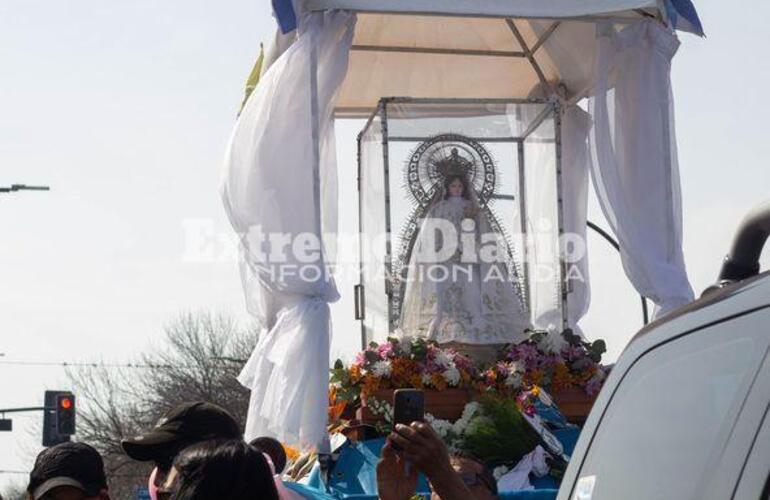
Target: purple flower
(502, 369)
(593, 386)
(573, 353)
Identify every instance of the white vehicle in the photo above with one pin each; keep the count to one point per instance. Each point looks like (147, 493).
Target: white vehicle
(684, 413)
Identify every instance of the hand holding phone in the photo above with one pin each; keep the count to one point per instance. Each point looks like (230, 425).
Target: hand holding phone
(408, 406)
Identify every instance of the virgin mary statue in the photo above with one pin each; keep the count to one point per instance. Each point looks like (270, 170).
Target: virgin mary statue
(459, 286)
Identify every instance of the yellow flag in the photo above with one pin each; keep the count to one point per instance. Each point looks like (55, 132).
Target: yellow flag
(253, 80)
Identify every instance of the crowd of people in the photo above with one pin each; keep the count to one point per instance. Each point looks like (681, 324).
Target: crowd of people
(199, 453)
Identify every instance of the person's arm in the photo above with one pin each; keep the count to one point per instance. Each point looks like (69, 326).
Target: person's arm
(396, 480)
(422, 447)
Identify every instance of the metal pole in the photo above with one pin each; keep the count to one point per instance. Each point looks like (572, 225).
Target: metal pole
(386, 188)
(523, 219)
(530, 56)
(563, 281)
(314, 116)
(23, 187)
(25, 409)
(604, 234)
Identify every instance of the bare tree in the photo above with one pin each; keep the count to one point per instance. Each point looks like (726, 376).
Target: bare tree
(14, 492)
(199, 361)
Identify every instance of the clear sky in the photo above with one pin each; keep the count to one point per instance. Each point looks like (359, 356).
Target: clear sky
(124, 108)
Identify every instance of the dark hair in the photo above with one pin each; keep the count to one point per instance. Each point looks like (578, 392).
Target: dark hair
(272, 448)
(225, 470)
(449, 179)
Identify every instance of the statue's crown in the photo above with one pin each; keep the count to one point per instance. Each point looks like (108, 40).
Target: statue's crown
(453, 165)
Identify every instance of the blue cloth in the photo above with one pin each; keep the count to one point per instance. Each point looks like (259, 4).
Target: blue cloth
(547, 494)
(355, 473)
(683, 16)
(354, 476)
(285, 15)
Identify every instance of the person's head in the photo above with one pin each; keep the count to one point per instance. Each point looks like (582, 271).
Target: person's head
(225, 470)
(68, 471)
(475, 475)
(455, 186)
(183, 426)
(272, 448)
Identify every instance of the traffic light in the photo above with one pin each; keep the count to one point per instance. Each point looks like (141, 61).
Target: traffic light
(65, 414)
(58, 417)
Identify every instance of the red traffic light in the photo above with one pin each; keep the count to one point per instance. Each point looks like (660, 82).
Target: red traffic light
(65, 403)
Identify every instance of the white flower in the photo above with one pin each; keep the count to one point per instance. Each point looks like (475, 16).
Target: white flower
(406, 346)
(516, 367)
(426, 379)
(513, 380)
(552, 342)
(381, 369)
(443, 359)
(452, 375)
(470, 410)
(499, 472)
(442, 427)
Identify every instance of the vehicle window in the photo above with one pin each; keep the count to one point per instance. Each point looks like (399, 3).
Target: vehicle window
(672, 412)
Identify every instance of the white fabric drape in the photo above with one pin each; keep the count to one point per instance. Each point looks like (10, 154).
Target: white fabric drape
(268, 189)
(634, 167)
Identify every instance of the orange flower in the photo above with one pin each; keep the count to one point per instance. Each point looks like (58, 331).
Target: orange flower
(534, 377)
(561, 377)
(438, 382)
(402, 371)
(371, 384)
(336, 410)
(355, 373)
(292, 453)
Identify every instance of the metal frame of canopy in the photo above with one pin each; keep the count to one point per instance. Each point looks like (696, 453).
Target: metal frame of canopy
(526, 52)
(552, 108)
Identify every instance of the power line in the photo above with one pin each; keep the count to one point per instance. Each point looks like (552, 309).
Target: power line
(26, 472)
(66, 364)
(145, 366)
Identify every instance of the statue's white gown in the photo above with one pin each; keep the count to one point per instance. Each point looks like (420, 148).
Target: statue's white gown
(478, 303)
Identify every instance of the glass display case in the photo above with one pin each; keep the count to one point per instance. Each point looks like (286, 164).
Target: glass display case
(510, 153)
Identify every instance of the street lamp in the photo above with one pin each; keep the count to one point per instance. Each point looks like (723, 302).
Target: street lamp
(23, 187)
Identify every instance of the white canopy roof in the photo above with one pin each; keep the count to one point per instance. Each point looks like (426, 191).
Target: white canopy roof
(474, 48)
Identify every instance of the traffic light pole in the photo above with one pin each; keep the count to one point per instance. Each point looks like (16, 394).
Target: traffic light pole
(23, 187)
(58, 417)
(20, 410)
(6, 424)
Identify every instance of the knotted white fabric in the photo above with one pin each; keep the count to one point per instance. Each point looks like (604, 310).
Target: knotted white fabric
(280, 179)
(634, 158)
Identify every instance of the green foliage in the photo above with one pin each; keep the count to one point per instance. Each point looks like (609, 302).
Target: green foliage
(346, 390)
(504, 436)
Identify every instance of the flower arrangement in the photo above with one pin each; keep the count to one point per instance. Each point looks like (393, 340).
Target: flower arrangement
(554, 361)
(542, 360)
(396, 364)
(492, 428)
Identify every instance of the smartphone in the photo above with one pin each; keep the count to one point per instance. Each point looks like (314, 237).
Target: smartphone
(408, 406)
